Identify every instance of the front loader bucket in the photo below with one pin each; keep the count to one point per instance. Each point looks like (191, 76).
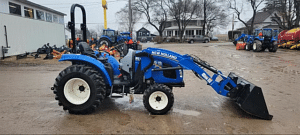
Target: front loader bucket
(249, 97)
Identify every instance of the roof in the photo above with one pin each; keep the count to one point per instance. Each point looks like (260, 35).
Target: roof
(274, 26)
(260, 17)
(41, 7)
(187, 27)
(142, 29)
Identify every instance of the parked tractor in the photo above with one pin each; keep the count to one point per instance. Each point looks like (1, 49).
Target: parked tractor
(268, 40)
(153, 72)
(111, 37)
(260, 40)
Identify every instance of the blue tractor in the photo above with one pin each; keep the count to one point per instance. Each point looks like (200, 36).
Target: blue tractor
(267, 40)
(111, 37)
(153, 72)
(260, 40)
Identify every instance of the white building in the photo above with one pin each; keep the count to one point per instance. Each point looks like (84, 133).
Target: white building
(193, 28)
(29, 26)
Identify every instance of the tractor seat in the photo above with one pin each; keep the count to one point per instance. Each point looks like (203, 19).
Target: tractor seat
(85, 49)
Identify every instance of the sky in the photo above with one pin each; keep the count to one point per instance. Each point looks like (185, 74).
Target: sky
(94, 13)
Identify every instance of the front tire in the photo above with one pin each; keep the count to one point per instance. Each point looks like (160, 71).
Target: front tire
(248, 47)
(257, 46)
(79, 89)
(158, 99)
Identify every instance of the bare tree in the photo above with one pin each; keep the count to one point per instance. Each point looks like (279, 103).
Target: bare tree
(217, 17)
(123, 18)
(183, 11)
(213, 15)
(288, 12)
(239, 8)
(155, 11)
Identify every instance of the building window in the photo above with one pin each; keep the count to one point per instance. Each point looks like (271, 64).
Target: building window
(176, 33)
(14, 8)
(140, 33)
(61, 20)
(28, 12)
(40, 15)
(48, 17)
(55, 19)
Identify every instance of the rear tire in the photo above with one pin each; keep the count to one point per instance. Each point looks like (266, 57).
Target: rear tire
(105, 41)
(158, 99)
(273, 47)
(257, 46)
(79, 89)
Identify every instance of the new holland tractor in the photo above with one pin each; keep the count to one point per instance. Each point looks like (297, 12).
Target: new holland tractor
(268, 40)
(262, 39)
(111, 37)
(153, 72)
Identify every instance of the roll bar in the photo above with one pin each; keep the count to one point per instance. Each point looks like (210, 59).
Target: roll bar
(71, 24)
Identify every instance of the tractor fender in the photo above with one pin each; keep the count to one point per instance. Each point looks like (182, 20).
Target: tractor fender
(86, 59)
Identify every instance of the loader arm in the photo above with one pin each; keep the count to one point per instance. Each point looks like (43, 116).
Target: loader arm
(195, 64)
(240, 37)
(247, 95)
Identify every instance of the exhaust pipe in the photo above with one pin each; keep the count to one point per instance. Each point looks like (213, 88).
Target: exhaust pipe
(249, 97)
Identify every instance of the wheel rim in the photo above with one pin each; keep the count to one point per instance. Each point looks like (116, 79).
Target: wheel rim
(158, 100)
(192, 41)
(103, 42)
(254, 46)
(77, 91)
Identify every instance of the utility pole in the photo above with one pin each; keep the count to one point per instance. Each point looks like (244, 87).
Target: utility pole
(104, 5)
(130, 18)
(232, 27)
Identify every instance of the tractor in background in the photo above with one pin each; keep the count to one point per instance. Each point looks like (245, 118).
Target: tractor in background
(111, 37)
(248, 39)
(260, 40)
(267, 40)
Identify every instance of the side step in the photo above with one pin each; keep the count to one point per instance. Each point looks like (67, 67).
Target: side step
(115, 94)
